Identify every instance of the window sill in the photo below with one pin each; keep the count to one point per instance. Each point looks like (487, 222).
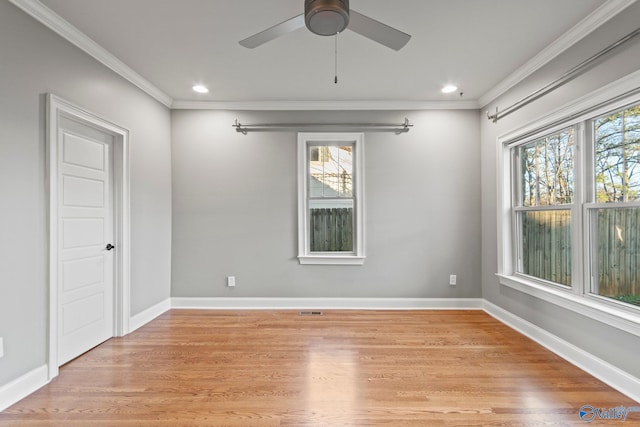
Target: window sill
(609, 313)
(331, 260)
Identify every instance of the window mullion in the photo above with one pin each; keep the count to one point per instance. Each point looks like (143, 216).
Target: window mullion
(580, 277)
(516, 203)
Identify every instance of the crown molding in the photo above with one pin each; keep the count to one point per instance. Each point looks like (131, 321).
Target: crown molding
(57, 24)
(60, 26)
(582, 29)
(325, 105)
(53, 21)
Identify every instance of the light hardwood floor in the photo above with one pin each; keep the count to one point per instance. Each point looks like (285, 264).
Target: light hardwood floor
(345, 368)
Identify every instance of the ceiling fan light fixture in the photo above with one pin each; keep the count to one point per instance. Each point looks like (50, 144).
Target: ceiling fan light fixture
(326, 17)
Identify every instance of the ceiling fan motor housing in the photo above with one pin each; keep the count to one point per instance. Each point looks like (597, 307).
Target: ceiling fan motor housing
(326, 17)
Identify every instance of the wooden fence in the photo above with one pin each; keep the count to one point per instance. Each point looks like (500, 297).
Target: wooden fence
(619, 251)
(547, 249)
(331, 230)
(546, 237)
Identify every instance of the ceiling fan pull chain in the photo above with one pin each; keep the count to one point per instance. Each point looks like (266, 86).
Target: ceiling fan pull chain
(335, 80)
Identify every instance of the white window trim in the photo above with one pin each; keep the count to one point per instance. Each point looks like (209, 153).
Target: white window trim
(616, 95)
(356, 257)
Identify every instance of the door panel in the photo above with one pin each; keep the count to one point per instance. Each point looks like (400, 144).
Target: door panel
(82, 152)
(83, 312)
(83, 192)
(82, 232)
(85, 213)
(82, 272)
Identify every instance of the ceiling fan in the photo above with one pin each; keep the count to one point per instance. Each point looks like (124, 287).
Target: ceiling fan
(328, 18)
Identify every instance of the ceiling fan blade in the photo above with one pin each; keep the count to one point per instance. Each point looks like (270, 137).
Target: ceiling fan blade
(274, 32)
(377, 31)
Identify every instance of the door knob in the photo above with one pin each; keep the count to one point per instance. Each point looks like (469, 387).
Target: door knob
(109, 246)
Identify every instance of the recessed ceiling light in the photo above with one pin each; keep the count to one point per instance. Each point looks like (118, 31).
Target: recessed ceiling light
(449, 89)
(200, 89)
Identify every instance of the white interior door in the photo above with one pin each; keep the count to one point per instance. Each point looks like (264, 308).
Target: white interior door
(85, 230)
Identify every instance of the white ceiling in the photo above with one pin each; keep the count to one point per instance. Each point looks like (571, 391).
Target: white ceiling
(477, 44)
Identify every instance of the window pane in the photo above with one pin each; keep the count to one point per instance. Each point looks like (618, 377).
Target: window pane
(331, 225)
(546, 245)
(547, 170)
(331, 171)
(617, 252)
(617, 156)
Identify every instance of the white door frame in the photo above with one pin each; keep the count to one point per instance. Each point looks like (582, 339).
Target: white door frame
(57, 108)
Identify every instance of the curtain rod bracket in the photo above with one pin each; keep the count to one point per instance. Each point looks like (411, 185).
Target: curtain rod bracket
(239, 128)
(493, 117)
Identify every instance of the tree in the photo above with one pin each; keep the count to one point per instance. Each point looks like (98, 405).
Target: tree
(547, 170)
(617, 156)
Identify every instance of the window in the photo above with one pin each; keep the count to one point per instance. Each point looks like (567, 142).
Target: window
(543, 208)
(330, 193)
(615, 215)
(569, 197)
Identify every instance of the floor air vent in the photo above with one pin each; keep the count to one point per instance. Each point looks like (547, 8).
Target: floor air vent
(311, 313)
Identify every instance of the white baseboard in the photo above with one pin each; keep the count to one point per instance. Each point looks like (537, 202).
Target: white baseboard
(23, 386)
(604, 371)
(329, 303)
(149, 314)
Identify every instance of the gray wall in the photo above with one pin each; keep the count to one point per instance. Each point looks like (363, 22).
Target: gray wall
(610, 344)
(33, 62)
(235, 208)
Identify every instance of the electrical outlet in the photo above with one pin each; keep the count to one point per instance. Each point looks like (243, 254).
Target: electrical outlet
(231, 281)
(1, 347)
(452, 280)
